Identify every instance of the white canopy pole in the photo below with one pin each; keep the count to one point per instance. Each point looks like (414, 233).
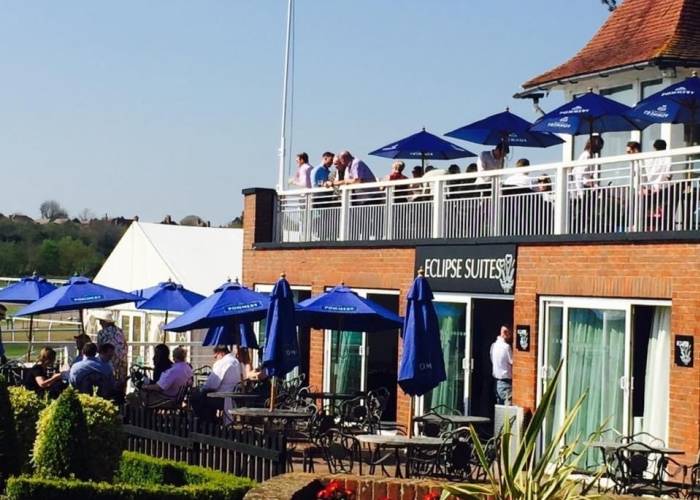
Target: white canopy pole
(285, 88)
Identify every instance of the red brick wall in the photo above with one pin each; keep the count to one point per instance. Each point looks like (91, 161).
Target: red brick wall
(650, 271)
(626, 270)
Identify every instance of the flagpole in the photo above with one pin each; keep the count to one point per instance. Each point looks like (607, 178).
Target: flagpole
(285, 89)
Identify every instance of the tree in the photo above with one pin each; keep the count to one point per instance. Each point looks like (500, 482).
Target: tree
(86, 215)
(52, 210)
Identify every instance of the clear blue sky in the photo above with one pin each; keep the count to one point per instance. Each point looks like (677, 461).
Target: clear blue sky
(172, 107)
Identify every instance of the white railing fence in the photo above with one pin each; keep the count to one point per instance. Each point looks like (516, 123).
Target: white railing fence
(619, 194)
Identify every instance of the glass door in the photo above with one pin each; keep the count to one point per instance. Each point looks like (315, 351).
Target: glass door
(454, 319)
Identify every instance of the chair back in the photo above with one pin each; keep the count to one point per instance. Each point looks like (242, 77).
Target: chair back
(638, 464)
(433, 426)
(457, 454)
(341, 452)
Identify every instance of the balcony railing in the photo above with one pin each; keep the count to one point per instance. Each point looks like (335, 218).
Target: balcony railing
(615, 195)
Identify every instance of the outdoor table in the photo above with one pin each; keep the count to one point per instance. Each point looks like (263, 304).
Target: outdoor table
(236, 397)
(607, 446)
(397, 443)
(455, 420)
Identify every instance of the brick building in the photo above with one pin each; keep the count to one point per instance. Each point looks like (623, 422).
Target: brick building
(617, 300)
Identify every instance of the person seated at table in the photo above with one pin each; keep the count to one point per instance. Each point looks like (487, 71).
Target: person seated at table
(224, 377)
(243, 357)
(80, 341)
(171, 382)
(91, 372)
(37, 378)
(161, 361)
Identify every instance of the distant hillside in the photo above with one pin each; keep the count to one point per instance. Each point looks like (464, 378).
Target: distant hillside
(56, 249)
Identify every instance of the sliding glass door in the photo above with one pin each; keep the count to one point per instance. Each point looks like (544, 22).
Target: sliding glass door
(604, 349)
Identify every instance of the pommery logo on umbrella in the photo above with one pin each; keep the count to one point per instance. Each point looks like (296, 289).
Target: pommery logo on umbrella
(562, 122)
(332, 308)
(576, 110)
(243, 307)
(88, 298)
(660, 112)
(678, 91)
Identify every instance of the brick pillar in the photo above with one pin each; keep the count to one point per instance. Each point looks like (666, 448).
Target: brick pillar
(525, 363)
(258, 216)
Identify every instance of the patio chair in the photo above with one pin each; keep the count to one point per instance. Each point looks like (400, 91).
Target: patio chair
(641, 471)
(355, 417)
(422, 461)
(341, 451)
(180, 402)
(456, 455)
(434, 427)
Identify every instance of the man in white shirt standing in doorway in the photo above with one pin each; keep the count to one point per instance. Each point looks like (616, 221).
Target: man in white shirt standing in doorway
(502, 362)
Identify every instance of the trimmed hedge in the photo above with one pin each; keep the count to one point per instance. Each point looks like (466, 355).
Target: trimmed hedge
(26, 406)
(139, 469)
(29, 488)
(60, 449)
(9, 459)
(105, 438)
(140, 478)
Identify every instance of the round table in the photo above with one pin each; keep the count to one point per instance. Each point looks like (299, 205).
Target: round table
(396, 442)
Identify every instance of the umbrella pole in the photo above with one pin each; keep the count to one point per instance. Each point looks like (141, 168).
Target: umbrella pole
(409, 431)
(273, 392)
(166, 322)
(30, 337)
(82, 328)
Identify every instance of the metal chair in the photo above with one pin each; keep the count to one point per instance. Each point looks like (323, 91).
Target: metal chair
(641, 470)
(341, 451)
(355, 417)
(434, 427)
(456, 457)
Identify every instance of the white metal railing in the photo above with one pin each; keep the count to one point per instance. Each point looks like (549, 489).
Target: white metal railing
(614, 194)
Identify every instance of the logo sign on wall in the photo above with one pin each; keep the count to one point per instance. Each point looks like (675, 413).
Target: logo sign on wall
(522, 337)
(469, 268)
(683, 350)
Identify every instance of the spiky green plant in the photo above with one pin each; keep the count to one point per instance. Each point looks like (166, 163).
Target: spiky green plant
(528, 475)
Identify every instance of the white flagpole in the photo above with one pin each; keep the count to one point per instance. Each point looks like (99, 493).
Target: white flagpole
(285, 88)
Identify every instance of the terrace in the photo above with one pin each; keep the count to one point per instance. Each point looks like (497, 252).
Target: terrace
(622, 201)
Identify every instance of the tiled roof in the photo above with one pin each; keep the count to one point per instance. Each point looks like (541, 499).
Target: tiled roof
(638, 31)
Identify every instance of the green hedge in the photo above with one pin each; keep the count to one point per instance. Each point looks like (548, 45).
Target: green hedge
(139, 469)
(9, 456)
(29, 488)
(105, 438)
(140, 477)
(26, 406)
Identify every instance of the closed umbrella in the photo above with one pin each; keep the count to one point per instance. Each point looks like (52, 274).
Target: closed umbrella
(421, 146)
(25, 291)
(167, 296)
(240, 334)
(281, 347)
(422, 365)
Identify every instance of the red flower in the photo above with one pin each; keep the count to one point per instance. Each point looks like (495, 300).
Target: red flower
(431, 496)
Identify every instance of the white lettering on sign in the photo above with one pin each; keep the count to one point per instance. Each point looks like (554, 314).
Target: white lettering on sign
(502, 270)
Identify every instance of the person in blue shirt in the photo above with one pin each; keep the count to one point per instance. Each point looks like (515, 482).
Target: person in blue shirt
(319, 175)
(92, 372)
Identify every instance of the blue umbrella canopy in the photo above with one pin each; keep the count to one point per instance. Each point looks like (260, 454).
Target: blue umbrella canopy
(589, 113)
(77, 294)
(342, 309)
(240, 334)
(504, 127)
(677, 103)
(422, 146)
(167, 296)
(231, 302)
(422, 365)
(281, 347)
(26, 290)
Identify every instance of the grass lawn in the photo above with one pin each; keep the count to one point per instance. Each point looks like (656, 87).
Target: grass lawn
(13, 351)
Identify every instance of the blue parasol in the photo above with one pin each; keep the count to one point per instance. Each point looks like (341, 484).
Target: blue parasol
(422, 365)
(421, 146)
(240, 334)
(231, 302)
(342, 309)
(25, 291)
(504, 127)
(167, 296)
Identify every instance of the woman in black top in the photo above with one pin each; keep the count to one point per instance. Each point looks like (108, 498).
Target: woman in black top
(37, 378)
(161, 361)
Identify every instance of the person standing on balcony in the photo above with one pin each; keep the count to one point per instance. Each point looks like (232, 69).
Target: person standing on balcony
(502, 366)
(658, 197)
(585, 179)
(491, 160)
(302, 176)
(356, 171)
(320, 173)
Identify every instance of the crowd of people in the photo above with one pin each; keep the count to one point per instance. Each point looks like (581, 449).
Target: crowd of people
(343, 168)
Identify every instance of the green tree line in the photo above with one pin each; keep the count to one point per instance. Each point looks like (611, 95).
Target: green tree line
(56, 250)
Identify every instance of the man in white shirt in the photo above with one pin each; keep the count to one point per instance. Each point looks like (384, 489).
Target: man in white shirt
(491, 160)
(224, 377)
(502, 362)
(302, 176)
